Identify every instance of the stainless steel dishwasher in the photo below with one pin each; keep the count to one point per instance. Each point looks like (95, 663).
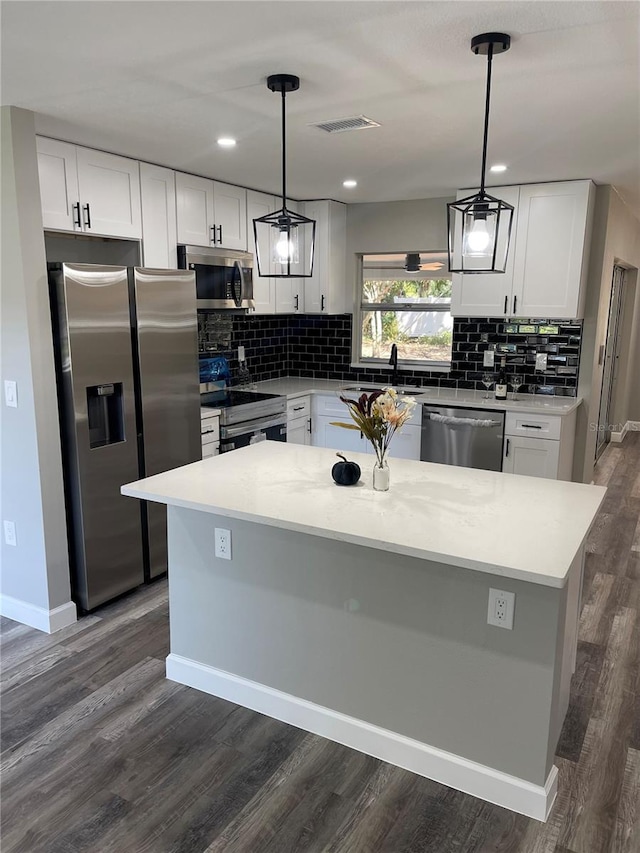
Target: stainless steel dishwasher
(471, 438)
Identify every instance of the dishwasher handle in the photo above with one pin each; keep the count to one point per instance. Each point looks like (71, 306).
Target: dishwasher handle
(450, 420)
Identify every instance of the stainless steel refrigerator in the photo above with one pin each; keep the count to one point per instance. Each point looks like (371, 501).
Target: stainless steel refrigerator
(126, 343)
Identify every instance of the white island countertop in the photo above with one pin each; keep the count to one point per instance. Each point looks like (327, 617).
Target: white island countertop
(530, 404)
(519, 527)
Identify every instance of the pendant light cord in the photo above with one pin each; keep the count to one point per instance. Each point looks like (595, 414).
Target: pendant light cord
(486, 117)
(284, 154)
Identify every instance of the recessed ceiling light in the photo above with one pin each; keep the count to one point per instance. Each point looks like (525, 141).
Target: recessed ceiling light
(499, 167)
(349, 183)
(226, 142)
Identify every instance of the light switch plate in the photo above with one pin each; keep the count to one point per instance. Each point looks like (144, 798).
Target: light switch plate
(240, 353)
(541, 361)
(11, 393)
(10, 533)
(489, 358)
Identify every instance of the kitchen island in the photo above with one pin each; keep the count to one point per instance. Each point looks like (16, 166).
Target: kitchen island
(362, 616)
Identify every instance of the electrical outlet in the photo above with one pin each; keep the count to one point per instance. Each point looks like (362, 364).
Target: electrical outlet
(489, 358)
(501, 607)
(223, 543)
(240, 353)
(541, 361)
(11, 393)
(10, 533)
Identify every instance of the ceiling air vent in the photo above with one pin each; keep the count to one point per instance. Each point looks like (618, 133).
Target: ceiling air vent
(339, 125)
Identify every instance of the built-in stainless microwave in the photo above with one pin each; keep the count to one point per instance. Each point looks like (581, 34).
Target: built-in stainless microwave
(224, 278)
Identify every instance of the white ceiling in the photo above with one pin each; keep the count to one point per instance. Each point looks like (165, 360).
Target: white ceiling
(160, 81)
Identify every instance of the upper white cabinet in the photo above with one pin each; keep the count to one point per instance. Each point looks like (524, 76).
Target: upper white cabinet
(159, 235)
(211, 213)
(326, 292)
(290, 292)
(487, 294)
(552, 249)
(264, 290)
(88, 191)
(548, 256)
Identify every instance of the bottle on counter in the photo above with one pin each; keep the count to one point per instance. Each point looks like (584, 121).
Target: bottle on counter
(501, 382)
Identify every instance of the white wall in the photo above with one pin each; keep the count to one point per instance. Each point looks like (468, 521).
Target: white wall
(616, 240)
(34, 579)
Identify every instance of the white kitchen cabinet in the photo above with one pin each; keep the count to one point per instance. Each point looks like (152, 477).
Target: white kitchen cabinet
(299, 420)
(264, 286)
(58, 175)
(326, 292)
(547, 261)
(405, 444)
(210, 213)
(210, 434)
(552, 249)
(532, 457)
(290, 292)
(159, 234)
(539, 445)
(487, 294)
(88, 191)
(230, 216)
(325, 434)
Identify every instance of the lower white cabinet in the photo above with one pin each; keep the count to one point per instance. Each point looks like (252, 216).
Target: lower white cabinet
(539, 445)
(532, 457)
(299, 420)
(329, 409)
(210, 434)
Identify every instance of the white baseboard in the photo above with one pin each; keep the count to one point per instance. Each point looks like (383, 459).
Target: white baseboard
(630, 426)
(48, 621)
(452, 770)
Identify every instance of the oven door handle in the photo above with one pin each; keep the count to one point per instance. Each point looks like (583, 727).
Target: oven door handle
(252, 426)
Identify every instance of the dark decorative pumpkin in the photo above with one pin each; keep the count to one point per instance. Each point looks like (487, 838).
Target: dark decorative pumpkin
(345, 473)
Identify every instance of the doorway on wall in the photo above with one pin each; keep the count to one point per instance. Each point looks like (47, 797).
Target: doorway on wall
(609, 358)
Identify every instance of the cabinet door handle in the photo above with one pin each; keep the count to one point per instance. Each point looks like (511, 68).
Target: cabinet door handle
(506, 452)
(531, 426)
(298, 408)
(515, 304)
(309, 425)
(322, 302)
(220, 234)
(506, 303)
(86, 209)
(76, 211)
(213, 234)
(297, 301)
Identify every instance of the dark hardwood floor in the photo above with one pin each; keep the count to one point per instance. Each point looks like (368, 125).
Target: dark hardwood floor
(100, 753)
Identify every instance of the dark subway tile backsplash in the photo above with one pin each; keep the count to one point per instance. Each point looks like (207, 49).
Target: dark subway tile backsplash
(319, 346)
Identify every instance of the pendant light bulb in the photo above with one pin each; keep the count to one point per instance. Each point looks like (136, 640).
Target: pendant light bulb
(286, 250)
(478, 238)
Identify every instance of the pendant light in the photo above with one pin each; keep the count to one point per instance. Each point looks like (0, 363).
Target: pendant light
(480, 225)
(285, 240)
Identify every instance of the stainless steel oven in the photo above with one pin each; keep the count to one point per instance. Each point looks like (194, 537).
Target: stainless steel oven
(247, 417)
(224, 278)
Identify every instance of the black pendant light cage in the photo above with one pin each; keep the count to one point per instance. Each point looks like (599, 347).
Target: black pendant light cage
(284, 240)
(412, 262)
(479, 225)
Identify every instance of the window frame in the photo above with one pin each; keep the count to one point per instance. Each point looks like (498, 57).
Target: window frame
(357, 360)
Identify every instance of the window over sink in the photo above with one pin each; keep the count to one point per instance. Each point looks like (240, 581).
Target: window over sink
(404, 299)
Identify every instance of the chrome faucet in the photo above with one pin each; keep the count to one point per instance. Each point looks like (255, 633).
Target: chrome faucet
(393, 361)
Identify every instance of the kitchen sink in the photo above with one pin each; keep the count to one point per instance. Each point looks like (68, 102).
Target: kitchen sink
(402, 392)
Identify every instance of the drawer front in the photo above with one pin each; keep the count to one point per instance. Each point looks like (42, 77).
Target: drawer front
(210, 430)
(209, 450)
(535, 426)
(300, 407)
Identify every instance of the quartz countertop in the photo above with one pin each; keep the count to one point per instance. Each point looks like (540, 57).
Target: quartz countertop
(525, 528)
(293, 386)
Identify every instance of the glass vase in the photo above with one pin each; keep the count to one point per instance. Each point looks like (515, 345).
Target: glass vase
(381, 476)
